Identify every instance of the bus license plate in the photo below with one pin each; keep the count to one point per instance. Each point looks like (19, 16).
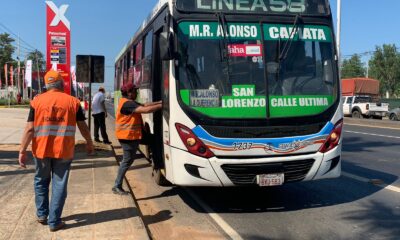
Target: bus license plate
(266, 180)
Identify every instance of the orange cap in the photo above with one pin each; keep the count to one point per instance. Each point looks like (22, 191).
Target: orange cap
(52, 76)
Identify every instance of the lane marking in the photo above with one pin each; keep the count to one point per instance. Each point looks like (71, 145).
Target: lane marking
(218, 219)
(372, 181)
(372, 134)
(362, 125)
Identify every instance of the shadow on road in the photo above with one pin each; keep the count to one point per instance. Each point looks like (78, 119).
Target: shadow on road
(84, 219)
(359, 144)
(81, 160)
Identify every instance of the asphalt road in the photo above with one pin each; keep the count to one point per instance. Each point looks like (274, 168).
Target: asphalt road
(362, 204)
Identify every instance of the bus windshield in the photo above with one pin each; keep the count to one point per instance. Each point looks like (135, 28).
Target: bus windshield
(232, 71)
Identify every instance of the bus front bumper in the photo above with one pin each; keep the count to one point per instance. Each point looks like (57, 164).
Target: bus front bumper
(191, 170)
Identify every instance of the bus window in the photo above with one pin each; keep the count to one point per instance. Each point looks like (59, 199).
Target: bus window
(139, 48)
(132, 56)
(147, 61)
(137, 68)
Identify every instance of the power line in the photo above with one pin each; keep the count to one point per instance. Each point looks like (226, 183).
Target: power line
(12, 33)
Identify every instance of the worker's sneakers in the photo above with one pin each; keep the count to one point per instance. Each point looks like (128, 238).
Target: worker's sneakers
(119, 191)
(107, 142)
(42, 220)
(97, 140)
(58, 227)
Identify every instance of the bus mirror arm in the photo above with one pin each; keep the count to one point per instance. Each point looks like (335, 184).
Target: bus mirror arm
(167, 46)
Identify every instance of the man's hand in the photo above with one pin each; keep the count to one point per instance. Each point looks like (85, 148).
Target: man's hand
(90, 148)
(22, 159)
(106, 114)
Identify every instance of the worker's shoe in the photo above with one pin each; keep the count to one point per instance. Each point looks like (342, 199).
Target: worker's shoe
(58, 227)
(42, 220)
(97, 140)
(107, 142)
(119, 191)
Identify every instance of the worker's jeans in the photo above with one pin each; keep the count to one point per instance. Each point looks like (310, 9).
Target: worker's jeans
(130, 148)
(47, 170)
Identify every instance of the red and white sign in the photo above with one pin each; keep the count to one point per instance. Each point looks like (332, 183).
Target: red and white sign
(59, 42)
(245, 50)
(12, 76)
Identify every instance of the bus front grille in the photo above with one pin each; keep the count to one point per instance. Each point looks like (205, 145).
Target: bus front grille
(246, 174)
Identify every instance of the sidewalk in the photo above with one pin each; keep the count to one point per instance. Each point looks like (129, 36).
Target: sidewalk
(91, 211)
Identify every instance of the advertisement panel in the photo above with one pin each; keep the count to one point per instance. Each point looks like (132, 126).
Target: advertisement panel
(59, 42)
(28, 73)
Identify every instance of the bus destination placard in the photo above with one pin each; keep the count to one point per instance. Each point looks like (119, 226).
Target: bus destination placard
(303, 7)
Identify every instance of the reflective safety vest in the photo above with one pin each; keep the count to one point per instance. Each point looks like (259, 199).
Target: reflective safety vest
(128, 127)
(54, 125)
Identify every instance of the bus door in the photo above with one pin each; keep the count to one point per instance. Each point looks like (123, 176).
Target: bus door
(161, 118)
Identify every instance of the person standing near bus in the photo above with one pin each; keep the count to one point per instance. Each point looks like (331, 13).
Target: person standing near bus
(128, 129)
(51, 127)
(99, 116)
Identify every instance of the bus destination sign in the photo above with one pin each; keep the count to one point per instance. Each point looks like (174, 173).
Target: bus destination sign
(304, 7)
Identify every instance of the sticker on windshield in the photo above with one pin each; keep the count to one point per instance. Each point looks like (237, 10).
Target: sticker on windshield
(274, 32)
(204, 98)
(243, 96)
(291, 106)
(243, 102)
(213, 30)
(245, 50)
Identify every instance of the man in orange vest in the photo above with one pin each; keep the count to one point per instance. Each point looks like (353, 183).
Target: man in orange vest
(51, 128)
(128, 129)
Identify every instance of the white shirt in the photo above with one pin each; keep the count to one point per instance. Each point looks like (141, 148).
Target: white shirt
(97, 106)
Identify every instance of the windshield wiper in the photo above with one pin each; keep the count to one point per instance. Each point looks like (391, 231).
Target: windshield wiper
(282, 53)
(288, 44)
(224, 51)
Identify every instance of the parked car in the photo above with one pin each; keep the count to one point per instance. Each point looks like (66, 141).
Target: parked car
(394, 114)
(364, 106)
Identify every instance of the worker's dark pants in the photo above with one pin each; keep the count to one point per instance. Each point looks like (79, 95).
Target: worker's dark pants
(130, 148)
(100, 122)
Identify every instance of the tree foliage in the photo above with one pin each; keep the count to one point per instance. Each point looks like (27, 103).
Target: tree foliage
(38, 61)
(6, 52)
(385, 66)
(353, 67)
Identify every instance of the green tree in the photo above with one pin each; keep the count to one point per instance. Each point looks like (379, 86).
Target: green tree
(41, 63)
(385, 66)
(6, 52)
(353, 67)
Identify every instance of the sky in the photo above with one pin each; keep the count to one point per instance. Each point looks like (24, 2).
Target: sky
(103, 27)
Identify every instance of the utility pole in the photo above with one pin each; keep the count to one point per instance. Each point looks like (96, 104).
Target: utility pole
(339, 26)
(19, 67)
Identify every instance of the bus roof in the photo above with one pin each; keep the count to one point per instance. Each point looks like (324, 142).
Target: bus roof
(150, 17)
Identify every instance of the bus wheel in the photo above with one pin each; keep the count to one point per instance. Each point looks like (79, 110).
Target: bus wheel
(159, 177)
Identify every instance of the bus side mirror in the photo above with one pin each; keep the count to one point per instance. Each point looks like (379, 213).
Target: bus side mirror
(167, 48)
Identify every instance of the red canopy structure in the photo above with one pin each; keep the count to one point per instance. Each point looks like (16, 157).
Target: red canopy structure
(360, 86)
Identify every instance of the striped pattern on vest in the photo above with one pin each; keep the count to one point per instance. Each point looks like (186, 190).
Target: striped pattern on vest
(54, 125)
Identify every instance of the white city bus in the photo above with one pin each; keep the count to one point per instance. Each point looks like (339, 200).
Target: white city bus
(250, 91)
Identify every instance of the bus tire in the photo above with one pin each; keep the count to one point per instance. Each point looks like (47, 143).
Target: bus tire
(356, 114)
(159, 178)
